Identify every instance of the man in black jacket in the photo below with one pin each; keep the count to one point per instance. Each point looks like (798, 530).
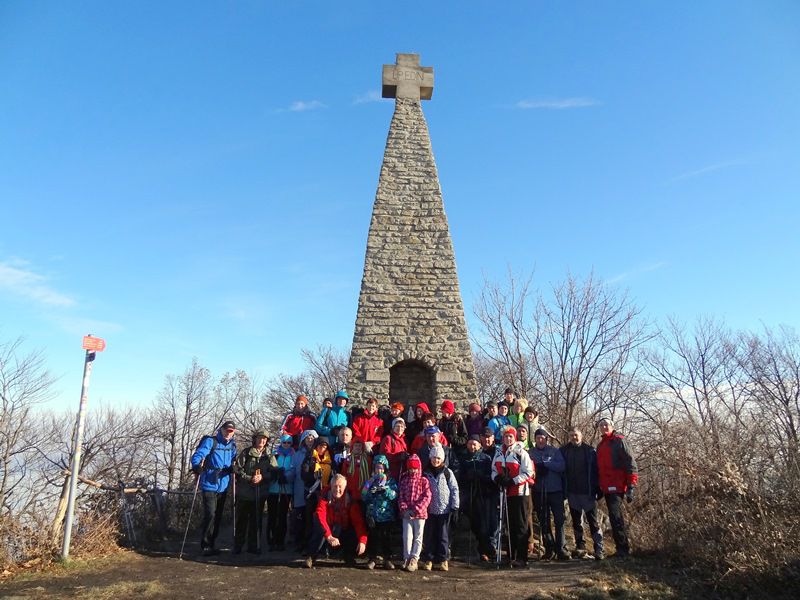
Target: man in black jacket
(583, 490)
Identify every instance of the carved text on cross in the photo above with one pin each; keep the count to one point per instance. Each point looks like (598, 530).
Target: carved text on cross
(407, 79)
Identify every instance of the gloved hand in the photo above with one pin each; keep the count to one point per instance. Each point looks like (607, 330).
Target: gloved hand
(196, 469)
(501, 480)
(337, 458)
(454, 517)
(510, 481)
(629, 495)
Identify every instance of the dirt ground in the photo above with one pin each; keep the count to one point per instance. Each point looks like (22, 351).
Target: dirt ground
(132, 575)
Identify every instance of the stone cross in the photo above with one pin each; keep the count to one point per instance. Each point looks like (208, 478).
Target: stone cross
(407, 79)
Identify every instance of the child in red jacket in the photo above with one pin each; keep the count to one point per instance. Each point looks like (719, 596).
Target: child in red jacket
(415, 496)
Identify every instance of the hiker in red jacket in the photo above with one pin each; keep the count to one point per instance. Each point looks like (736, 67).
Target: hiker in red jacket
(338, 523)
(618, 477)
(368, 426)
(298, 421)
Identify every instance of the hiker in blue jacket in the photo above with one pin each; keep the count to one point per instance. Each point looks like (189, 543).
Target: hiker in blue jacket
(332, 419)
(212, 462)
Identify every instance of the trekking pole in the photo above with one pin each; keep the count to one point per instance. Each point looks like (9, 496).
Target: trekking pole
(508, 528)
(191, 510)
(233, 480)
(498, 545)
(258, 508)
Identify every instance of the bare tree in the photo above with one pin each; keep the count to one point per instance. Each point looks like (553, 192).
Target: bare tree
(24, 383)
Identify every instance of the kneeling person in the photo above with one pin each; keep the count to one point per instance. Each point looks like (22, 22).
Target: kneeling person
(338, 523)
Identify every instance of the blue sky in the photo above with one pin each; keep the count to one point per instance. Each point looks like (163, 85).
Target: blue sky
(196, 179)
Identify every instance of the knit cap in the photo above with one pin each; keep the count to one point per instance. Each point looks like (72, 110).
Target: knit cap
(413, 462)
(398, 420)
(308, 433)
(380, 459)
(436, 452)
(475, 406)
(448, 407)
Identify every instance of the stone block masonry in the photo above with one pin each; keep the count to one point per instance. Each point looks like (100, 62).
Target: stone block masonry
(410, 342)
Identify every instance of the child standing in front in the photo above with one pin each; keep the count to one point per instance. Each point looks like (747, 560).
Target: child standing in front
(442, 509)
(379, 496)
(415, 496)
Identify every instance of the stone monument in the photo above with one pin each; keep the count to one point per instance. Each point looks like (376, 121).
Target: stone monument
(410, 342)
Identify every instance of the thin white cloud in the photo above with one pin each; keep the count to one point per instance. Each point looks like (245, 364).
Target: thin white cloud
(81, 326)
(634, 272)
(25, 283)
(370, 96)
(303, 105)
(708, 169)
(249, 312)
(556, 103)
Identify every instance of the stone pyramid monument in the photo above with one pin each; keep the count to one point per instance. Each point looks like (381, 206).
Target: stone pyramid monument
(410, 343)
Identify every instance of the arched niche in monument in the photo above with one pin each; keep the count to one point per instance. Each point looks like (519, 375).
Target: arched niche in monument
(410, 382)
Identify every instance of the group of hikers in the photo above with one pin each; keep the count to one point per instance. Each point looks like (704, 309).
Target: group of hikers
(345, 480)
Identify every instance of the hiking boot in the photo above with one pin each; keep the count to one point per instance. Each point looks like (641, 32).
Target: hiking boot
(412, 565)
(426, 565)
(519, 564)
(549, 555)
(563, 556)
(309, 562)
(210, 552)
(442, 566)
(579, 553)
(404, 567)
(370, 564)
(388, 565)
(599, 555)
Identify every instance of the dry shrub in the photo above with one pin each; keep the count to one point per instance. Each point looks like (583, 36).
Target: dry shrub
(97, 534)
(735, 536)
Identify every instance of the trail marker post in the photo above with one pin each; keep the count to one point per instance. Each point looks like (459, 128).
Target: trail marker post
(92, 345)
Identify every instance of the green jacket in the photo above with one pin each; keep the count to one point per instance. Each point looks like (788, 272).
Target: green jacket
(245, 467)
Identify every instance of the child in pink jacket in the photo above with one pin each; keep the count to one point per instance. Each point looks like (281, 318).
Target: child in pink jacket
(415, 496)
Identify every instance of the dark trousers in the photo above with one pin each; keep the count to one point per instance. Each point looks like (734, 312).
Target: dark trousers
(213, 505)
(436, 538)
(492, 521)
(248, 523)
(594, 527)
(478, 511)
(347, 539)
(546, 505)
(379, 542)
(614, 504)
(277, 515)
(519, 509)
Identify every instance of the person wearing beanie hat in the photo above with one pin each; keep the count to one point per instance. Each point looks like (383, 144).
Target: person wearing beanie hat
(413, 500)
(453, 428)
(303, 467)
(548, 494)
(435, 439)
(414, 420)
(478, 496)
(522, 436)
(379, 495)
(393, 446)
(508, 397)
(280, 492)
(474, 421)
(428, 425)
(252, 468)
(298, 420)
(513, 472)
(498, 420)
(394, 411)
(212, 462)
(618, 476)
(331, 420)
(442, 509)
